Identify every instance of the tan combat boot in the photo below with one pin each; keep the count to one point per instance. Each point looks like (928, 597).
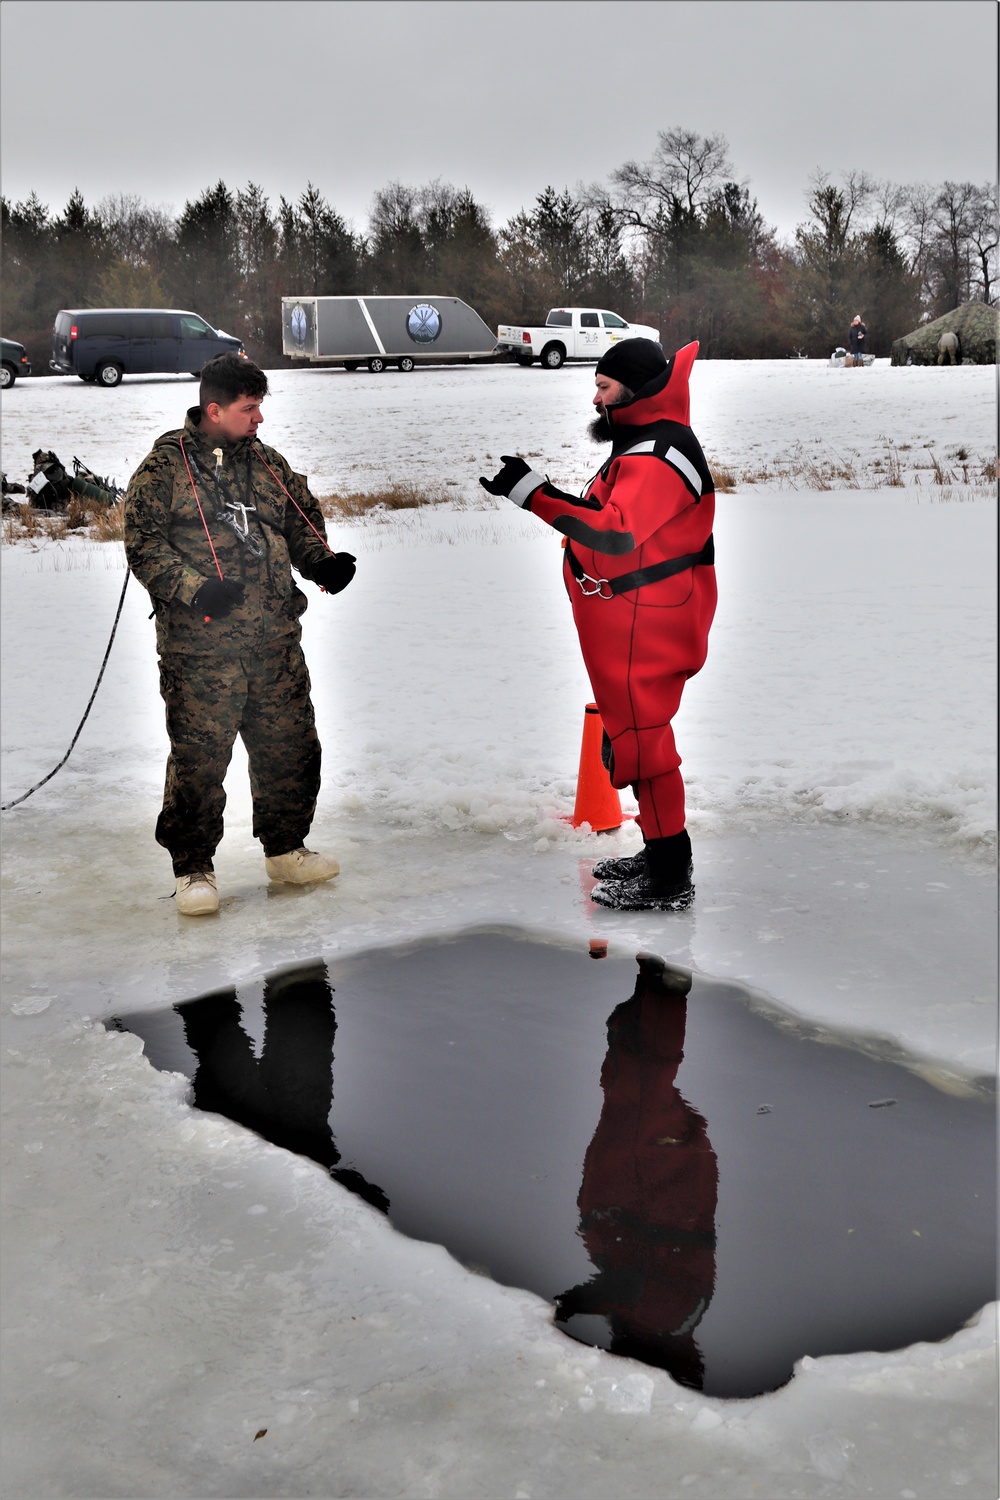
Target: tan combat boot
(301, 867)
(197, 895)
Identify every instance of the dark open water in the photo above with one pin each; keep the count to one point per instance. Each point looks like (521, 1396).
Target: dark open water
(688, 1180)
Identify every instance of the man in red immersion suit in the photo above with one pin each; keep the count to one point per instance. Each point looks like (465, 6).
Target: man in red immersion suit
(639, 572)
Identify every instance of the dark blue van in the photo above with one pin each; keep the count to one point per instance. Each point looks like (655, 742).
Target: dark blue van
(102, 344)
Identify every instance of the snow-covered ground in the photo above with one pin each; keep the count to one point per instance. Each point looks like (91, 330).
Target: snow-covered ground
(173, 1284)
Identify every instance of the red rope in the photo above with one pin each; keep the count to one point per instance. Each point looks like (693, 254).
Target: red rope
(200, 511)
(292, 498)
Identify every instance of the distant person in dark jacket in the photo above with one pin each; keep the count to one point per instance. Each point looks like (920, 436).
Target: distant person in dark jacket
(857, 338)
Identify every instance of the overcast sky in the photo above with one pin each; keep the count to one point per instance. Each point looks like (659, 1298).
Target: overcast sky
(164, 97)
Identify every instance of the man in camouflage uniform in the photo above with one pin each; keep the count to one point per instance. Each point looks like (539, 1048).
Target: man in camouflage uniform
(214, 521)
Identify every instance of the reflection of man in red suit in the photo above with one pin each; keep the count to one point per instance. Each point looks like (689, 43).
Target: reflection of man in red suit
(648, 1197)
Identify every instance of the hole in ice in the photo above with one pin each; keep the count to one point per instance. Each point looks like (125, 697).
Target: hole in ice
(692, 1180)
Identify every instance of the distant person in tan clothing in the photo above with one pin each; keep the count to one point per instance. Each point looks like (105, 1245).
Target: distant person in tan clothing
(949, 349)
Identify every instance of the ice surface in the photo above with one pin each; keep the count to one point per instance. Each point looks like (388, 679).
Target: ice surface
(173, 1284)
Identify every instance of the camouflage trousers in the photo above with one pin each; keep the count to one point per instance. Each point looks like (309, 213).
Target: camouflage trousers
(261, 695)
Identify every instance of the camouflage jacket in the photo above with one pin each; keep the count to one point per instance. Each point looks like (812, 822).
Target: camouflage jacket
(168, 548)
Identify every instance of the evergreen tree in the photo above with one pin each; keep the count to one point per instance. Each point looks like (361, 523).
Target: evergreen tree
(329, 253)
(525, 278)
(559, 226)
(28, 261)
(204, 272)
(79, 246)
(260, 297)
(823, 280)
(460, 247)
(610, 282)
(884, 290)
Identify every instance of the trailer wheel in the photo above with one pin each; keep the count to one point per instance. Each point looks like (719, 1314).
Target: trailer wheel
(351, 364)
(553, 356)
(108, 374)
(406, 364)
(526, 359)
(376, 365)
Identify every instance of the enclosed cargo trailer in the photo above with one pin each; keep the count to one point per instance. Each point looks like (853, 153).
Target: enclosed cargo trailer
(382, 331)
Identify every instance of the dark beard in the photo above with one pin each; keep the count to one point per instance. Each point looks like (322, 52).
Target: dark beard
(600, 429)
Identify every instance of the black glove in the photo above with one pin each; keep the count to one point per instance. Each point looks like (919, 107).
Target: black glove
(335, 573)
(517, 480)
(216, 598)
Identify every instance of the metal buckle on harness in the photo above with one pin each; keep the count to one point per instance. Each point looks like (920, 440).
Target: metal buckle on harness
(599, 586)
(242, 533)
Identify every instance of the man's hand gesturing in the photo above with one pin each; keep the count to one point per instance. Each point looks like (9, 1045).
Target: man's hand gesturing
(516, 480)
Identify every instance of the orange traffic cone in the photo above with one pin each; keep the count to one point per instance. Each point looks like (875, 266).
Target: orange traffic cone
(597, 802)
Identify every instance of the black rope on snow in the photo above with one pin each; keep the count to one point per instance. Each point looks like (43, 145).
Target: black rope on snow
(6, 806)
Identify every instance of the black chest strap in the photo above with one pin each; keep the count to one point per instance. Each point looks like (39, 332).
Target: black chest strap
(625, 583)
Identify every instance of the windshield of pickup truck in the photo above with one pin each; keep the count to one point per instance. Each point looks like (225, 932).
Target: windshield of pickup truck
(558, 318)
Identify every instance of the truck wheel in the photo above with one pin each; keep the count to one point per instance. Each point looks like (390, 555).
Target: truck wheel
(526, 359)
(553, 356)
(351, 364)
(376, 365)
(406, 364)
(7, 376)
(108, 374)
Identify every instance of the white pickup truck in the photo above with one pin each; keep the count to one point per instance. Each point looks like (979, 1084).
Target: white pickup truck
(569, 333)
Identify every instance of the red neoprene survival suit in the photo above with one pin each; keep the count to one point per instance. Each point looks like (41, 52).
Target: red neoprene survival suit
(652, 501)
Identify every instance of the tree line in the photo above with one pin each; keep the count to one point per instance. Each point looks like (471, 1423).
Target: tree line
(676, 241)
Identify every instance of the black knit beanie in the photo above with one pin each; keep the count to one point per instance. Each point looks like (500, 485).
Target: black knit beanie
(633, 361)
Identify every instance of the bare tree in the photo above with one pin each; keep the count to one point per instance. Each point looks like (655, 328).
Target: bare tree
(683, 171)
(984, 238)
(854, 200)
(395, 211)
(889, 202)
(436, 205)
(397, 246)
(917, 217)
(135, 231)
(951, 253)
(860, 189)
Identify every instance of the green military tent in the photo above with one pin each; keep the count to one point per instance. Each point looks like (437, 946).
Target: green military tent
(973, 322)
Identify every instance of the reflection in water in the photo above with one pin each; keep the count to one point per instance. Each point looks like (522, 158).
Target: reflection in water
(648, 1197)
(286, 1094)
(466, 1086)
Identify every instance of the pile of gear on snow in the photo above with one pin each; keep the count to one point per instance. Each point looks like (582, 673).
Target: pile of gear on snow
(50, 488)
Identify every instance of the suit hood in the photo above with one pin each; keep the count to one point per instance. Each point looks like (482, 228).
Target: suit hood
(665, 398)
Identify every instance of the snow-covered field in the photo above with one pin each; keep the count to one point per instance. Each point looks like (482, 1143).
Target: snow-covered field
(173, 1284)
